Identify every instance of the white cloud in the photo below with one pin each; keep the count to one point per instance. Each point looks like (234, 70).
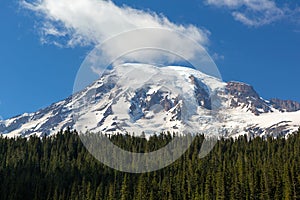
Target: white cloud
(253, 12)
(91, 22)
(96, 70)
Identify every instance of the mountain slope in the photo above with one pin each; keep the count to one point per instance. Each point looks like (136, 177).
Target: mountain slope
(138, 97)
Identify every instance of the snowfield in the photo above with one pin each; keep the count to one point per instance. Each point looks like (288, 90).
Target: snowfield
(136, 98)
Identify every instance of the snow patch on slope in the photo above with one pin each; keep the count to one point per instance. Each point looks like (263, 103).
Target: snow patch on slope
(139, 97)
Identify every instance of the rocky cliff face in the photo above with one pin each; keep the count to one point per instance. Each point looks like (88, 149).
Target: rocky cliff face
(285, 105)
(243, 95)
(201, 93)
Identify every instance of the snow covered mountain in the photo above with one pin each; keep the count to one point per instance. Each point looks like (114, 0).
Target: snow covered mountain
(139, 97)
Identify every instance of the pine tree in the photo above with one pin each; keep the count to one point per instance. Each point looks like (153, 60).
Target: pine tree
(99, 192)
(125, 188)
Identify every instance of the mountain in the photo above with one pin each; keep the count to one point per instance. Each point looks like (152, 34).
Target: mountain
(145, 98)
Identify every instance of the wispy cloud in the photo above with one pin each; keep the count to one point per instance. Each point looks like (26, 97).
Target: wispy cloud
(255, 12)
(91, 22)
(217, 56)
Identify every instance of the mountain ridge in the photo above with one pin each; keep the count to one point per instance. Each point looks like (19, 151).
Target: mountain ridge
(156, 106)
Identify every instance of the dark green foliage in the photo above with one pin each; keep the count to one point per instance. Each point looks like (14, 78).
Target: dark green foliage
(61, 168)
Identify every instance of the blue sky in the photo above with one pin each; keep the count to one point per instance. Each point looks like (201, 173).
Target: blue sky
(38, 68)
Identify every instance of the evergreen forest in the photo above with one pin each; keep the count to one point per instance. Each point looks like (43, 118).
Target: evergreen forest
(59, 167)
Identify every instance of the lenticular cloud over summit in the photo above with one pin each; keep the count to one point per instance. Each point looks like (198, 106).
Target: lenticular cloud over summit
(91, 22)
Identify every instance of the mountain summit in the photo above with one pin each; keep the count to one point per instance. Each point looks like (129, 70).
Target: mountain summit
(139, 98)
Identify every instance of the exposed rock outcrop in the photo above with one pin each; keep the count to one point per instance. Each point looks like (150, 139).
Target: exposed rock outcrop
(243, 95)
(285, 105)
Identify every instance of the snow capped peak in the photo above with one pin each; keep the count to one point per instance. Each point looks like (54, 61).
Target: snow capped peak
(138, 98)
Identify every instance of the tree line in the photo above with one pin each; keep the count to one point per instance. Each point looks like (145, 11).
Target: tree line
(59, 167)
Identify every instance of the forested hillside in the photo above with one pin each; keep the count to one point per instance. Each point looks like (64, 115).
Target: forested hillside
(59, 167)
